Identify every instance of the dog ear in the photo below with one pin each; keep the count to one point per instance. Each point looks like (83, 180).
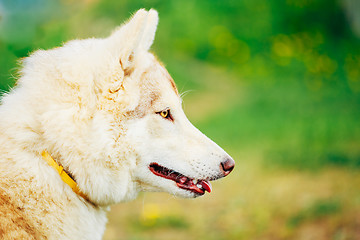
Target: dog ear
(150, 30)
(135, 36)
(125, 40)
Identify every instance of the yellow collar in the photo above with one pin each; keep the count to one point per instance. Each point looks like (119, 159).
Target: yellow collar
(64, 176)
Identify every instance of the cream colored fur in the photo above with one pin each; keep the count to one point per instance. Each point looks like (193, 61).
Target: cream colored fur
(93, 105)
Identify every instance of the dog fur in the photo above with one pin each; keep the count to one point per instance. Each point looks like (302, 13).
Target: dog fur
(95, 106)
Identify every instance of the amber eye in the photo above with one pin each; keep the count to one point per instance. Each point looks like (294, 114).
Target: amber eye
(165, 113)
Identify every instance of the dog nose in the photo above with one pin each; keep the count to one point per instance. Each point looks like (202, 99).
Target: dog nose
(228, 165)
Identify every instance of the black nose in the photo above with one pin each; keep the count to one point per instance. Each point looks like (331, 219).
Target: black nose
(227, 166)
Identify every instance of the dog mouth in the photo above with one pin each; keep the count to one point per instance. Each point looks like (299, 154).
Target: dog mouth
(193, 185)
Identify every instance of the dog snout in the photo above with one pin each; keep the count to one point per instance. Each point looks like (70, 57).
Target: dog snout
(227, 166)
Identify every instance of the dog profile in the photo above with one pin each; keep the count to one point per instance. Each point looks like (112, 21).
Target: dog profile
(91, 124)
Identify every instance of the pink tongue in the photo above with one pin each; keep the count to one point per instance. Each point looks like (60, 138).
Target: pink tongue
(206, 185)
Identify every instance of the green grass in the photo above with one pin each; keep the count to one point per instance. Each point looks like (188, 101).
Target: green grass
(318, 210)
(292, 124)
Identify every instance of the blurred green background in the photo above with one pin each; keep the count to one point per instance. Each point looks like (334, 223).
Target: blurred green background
(275, 83)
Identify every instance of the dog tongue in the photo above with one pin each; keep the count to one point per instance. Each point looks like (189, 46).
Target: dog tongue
(199, 187)
(206, 185)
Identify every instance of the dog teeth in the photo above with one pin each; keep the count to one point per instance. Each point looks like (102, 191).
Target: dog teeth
(183, 179)
(199, 185)
(194, 181)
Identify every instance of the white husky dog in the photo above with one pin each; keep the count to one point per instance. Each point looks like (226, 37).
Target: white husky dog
(91, 124)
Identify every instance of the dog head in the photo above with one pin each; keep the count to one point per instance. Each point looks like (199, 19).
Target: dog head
(114, 118)
(171, 154)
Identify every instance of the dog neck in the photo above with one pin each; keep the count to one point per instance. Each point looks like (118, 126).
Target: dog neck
(64, 175)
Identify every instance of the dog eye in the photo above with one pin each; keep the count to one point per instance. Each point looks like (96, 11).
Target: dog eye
(165, 114)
